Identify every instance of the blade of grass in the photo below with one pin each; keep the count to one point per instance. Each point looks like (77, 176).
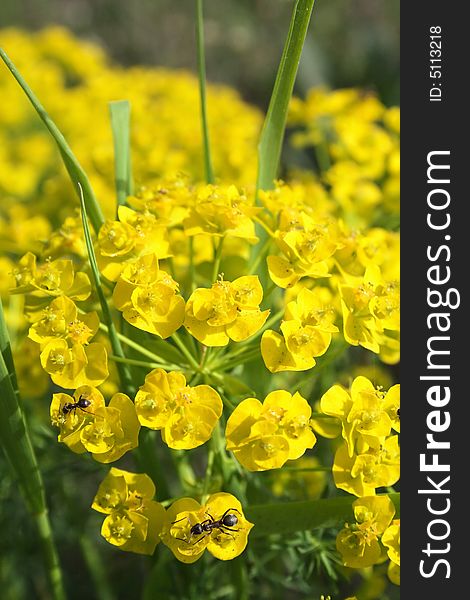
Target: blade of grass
(74, 169)
(201, 68)
(272, 134)
(120, 113)
(289, 517)
(16, 443)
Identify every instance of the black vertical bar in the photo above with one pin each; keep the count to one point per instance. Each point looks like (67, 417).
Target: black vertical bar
(435, 247)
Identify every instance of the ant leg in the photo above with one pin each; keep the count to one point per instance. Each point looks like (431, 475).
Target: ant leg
(227, 511)
(224, 528)
(182, 519)
(212, 520)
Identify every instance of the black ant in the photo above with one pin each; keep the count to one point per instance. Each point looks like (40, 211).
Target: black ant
(82, 403)
(225, 524)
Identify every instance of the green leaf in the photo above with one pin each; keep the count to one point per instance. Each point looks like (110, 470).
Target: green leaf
(74, 169)
(272, 135)
(289, 517)
(120, 112)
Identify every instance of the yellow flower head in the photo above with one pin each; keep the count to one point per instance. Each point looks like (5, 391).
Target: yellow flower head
(358, 544)
(87, 424)
(306, 333)
(147, 297)
(52, 278)
(219, 525)
(227, 311)
(134, 520)
(185, 415)
(265, 435)
(367, 414)
(219, 211)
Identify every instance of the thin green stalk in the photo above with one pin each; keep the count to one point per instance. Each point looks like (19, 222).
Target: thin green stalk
(190, 358)
(150, 463)
(217, 258)
(201, 68)
(77, 175)
(260, 256)
(208, 475)
(16, 443)
(134, 345)
(272, 135)
(192, 271)
(120, 113)
(225, 358)
(142, 363)
(124, 372)
(243, 358)
(288, 517)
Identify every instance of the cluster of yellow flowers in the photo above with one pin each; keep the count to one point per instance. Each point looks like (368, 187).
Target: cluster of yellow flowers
(369, 456)
(137, 523)
(226, 275)
(360, 544)
(356, 139)
(70, 76)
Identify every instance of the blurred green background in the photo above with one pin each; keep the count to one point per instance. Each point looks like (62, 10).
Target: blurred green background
(350, 43)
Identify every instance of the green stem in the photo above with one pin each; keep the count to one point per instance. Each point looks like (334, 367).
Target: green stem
(134, 345)
(142, 363)
(50, 554)
(150, 463)
(217, 257)
(225, 358)
(192, 271)
(190, 358)
(260, 256)
(208, 475)
(201, 67)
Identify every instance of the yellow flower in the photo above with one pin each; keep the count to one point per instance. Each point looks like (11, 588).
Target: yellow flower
(361, 474)
(367, 414)
(226, 311)
(71, 367)
(134, 520)
(52, 278)
(306, 333)
(185, 415)
(134, 235)
(219, 211)
(371, 314)
(305, 249)
(87, 424)
(358, 544)
(147, 297)
(219, 525)
(59, 320)
(264, 436)
(391, 540)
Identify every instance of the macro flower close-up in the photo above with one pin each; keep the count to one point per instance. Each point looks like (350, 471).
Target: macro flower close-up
(200, 301)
